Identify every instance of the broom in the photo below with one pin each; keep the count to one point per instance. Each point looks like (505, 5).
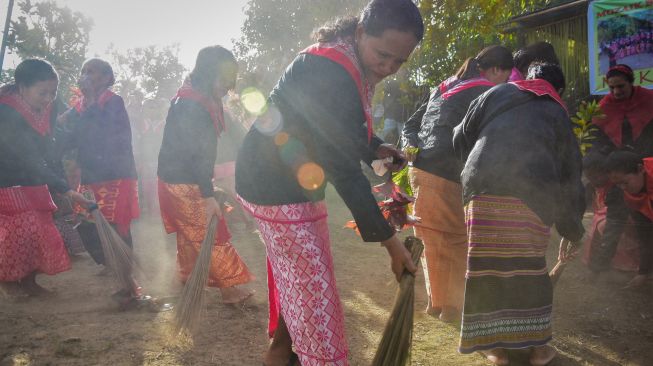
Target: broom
(394, 349)
(118, 256)
(193, 297)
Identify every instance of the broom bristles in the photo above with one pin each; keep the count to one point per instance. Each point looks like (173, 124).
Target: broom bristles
(191, 303)
(117, 254)
(394, 348)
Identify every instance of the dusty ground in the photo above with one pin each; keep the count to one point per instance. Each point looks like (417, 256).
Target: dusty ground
(596, 322)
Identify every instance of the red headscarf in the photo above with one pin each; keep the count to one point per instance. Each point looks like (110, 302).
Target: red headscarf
(539, 87)
(40, 122)
(643, 201)
(81, 103)
(638, 110)
(211, 105)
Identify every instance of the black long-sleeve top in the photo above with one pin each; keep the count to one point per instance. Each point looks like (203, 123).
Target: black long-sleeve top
(26, 157)
(521, 145)
(103, 139)
(434, 133)
(323, 116)
(189, 146)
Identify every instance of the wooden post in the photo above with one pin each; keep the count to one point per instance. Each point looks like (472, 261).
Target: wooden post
(5, 35)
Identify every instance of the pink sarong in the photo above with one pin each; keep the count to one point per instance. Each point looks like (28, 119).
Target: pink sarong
(296, 238)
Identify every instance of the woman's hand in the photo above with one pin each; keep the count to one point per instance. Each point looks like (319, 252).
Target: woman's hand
(398, 158)
(411, 153)
(399, 256)
(78, 198)
(212, 208)
(568, 250)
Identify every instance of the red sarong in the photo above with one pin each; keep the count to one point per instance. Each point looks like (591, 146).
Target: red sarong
(182, 211)
(300, 271)
(29, 240)
(118, 201)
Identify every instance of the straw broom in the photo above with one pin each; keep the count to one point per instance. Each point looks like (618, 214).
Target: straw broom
(193, 297)
(394, 349)
(118, 255)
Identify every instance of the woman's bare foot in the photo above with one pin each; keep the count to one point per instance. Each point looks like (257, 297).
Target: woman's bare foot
(542, 355)
(280, 351)
(450, 314)
(30, 287)
(497, 356)
(234, 295)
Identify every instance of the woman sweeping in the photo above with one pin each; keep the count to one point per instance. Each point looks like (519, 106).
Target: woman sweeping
(522, 175)
(186, 160)
(435, 179)
(29, 241)
(318, 128)
(97, 126)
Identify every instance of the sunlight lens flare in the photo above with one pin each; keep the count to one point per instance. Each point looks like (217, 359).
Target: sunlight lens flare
(269, 123)
(253, 101)
(310, 176)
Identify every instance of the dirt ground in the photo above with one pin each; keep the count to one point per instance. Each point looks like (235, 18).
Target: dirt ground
(596, 321)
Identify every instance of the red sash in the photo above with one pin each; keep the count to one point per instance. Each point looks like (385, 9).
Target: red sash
(638, 110)
(540, 87)
(82, 104)
(15, 200)
(39, 122)
(643, 202)
(344, 54)
(466, 84)
(214, 108)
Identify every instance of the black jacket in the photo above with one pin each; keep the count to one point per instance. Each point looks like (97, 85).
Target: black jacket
(26, 157)
(322, 115)
(433, 134)
(520, 145)
(189, 146)
(103, 139)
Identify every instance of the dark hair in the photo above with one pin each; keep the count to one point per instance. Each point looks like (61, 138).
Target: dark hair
(377, 17)
(595, 161)
(28, 73)
(536, 52)
(549, 72)
(491, 56)
(211, 63)
(621, 70)
(622, 161)
(105, 67)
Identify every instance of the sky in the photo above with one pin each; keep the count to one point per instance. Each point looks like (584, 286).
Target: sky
(136, 23)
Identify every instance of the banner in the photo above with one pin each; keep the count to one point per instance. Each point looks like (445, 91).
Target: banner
(620, 32)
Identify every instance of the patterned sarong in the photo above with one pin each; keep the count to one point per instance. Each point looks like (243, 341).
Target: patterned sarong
(508, 293)
(443, 233)
(118, 201)
(29, 241)
(182, 211)
(296, 238)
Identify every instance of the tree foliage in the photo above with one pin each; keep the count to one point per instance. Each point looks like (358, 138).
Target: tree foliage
(54, 33)
(275, 31)
(458, 29)
(153, 72)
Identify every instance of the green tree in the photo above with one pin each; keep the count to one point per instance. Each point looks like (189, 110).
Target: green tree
(458, 29)
(54, 33)
(153, 72)
(275, 31)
